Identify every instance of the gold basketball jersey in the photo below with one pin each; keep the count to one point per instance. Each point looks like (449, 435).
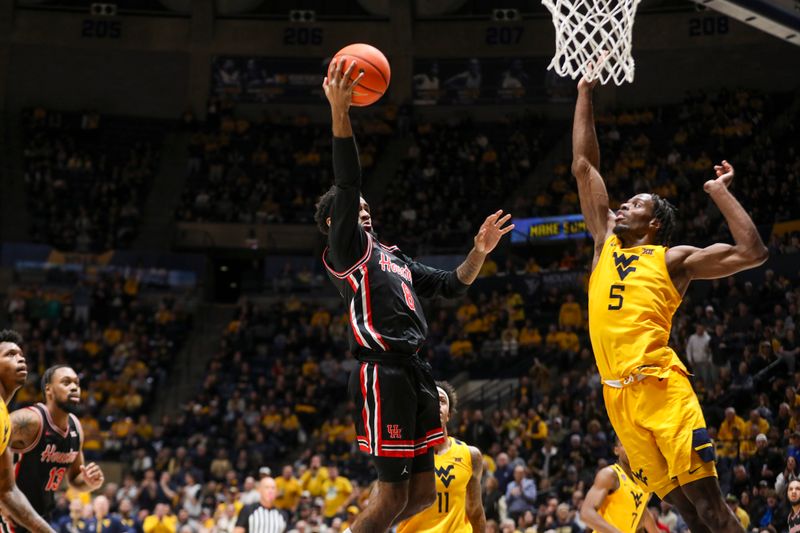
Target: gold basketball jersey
(624, 507)
(631, 303)
(448, 514)
(5, 426)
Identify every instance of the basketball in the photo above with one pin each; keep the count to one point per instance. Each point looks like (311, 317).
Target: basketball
(375, 67)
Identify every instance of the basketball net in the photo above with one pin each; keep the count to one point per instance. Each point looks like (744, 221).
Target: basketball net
(587, 28)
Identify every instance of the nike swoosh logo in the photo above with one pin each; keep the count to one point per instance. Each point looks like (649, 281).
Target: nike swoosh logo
(695, 470)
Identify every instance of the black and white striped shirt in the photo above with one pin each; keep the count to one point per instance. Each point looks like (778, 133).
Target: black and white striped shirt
(256, 518)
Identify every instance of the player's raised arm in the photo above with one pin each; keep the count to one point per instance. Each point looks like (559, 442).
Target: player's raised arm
(585, 164)
(430, 282)
(605, 482)
(347, 240)
(475, 512)
(719, 260)
(14, 503)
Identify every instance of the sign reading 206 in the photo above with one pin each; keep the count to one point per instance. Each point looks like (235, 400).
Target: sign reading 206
(101, 29)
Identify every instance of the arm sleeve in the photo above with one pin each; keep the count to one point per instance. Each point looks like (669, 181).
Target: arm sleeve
(347, 239)
(244, 516)
(431, 282)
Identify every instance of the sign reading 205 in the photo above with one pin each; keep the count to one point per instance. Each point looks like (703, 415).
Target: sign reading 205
(101, 29)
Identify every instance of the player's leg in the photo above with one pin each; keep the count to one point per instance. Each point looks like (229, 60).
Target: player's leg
(678, 499)
(386, 502)
(422, 489)
(706, 498)
(427, 433)
(672, 412)
(380, 422)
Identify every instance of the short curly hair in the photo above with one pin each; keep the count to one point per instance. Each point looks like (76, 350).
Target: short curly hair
(452, 396)
(324, 207)
(9, 335)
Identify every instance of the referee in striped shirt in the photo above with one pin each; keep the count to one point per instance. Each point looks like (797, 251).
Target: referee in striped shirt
(262, 517)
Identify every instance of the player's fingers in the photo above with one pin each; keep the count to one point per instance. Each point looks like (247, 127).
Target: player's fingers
(503, 220)
(349, 70)
(325, 81)
(507, 229)
(357, 80)
(337, 68)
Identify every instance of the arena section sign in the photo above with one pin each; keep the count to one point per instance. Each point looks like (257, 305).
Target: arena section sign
(548, 229)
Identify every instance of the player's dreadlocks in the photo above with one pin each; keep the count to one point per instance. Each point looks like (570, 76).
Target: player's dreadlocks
(667, 215)
(452, 396)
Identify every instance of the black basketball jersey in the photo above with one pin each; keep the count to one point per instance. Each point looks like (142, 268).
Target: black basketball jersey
(382, 294)
(41, 467)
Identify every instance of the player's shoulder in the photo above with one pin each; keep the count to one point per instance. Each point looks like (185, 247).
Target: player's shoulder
(607, 477)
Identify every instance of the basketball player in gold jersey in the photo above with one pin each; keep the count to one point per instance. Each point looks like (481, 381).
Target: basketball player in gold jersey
(636, 285)
(13, 372)
(458, 507)
(615, 503)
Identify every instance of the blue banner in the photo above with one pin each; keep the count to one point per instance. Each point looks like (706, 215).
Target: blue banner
(547, 229)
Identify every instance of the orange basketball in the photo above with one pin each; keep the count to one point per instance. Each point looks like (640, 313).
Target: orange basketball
(376, 70)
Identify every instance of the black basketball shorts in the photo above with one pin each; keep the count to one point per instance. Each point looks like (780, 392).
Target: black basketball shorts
(396, 413)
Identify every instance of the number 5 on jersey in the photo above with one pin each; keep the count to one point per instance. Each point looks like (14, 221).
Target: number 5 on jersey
(615, 293)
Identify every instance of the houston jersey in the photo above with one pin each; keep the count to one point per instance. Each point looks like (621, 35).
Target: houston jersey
(43, 465)
(624, 507)
(631, 303)
(448, 514)
(381, 292)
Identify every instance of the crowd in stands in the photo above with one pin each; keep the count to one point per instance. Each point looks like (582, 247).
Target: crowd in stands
(671, 150)
(267, 171)
(120, 339)
(455, 173)
(73, 163)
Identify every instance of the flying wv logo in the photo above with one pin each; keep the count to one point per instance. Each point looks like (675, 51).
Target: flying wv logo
(623, 263)
(640, 476)
(445, 475)
(637, 499)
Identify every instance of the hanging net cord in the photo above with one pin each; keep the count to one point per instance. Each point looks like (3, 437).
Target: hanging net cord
(587, 28)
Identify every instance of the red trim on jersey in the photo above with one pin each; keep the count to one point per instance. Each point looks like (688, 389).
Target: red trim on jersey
(53, 425)
(377, 392)
(79, 427)
(368, 311)
(351, 315)
(365, 408)
(38, 435)
(364, 259)
(16, 466)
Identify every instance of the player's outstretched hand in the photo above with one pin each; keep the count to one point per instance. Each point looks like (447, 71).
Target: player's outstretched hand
(584, 83)
(724, 173)
(338, 87)
(93, 476)
(493, 228)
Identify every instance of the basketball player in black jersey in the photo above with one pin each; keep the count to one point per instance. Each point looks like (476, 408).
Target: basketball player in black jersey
(47, 440)
(13, 372)
(395, 397)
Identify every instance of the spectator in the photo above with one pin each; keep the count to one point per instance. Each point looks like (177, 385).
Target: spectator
(698, 351)
(790, 473)
(161, 521)
(741, 514)
(520, 494)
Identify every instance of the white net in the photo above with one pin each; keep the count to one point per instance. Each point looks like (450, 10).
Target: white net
(587, 28)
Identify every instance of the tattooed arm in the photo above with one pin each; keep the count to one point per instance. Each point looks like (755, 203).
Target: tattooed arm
(13, 502)
(26, 426)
